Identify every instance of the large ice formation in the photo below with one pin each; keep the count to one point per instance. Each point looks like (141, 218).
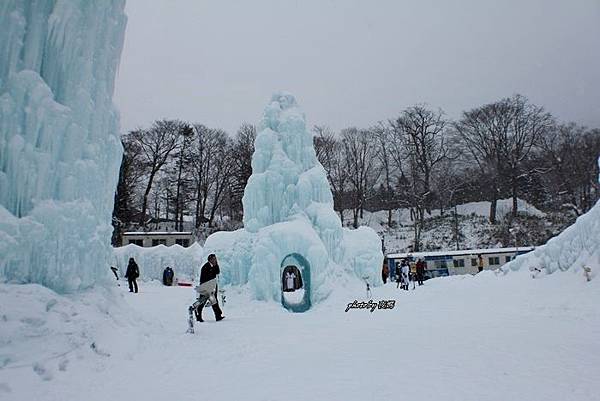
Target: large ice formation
(152, 261)
(574, 249)
(289, 218)
(59, 139)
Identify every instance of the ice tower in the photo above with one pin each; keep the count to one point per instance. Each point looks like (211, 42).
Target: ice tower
(293, 246)
(59, 139)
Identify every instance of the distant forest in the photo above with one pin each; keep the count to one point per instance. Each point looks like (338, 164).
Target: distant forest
(178, 175)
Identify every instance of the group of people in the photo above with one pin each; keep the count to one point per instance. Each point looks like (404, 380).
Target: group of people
(403, 275)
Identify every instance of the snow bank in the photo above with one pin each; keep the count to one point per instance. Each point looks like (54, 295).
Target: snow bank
(573, 249)
(42, 332)
(59, 139)
(185, 262)
(576, 247)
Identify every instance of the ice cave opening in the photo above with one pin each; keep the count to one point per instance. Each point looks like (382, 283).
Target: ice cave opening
(295, 283)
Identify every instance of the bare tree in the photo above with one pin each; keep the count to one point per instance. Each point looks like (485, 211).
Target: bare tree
(242, 150)
(481, 131)
(360, 163)
(419, 135)
(181, 167)
(330, 152)
(212, 171)
(156, 145)
(385, 152)
(568, 163)
(221, 172)
(422, 132)
(528, 123)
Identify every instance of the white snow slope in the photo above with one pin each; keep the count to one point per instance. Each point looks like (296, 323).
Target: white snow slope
(460, 338)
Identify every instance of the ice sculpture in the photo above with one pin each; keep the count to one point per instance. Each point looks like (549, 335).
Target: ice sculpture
(574, 249)
(59, 139)
(289, 222)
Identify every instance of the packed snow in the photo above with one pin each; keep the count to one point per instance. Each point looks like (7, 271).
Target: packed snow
(461, 338)
(59, 139)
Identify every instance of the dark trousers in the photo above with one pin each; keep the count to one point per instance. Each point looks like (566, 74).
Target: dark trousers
(420, 278)
(201, 302)
(132, 284)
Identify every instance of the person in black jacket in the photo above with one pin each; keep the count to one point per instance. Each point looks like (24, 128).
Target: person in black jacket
(133, 272)
(168, 276)
(207, 290)
(420, 271)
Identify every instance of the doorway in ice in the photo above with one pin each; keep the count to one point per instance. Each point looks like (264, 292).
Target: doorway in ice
(295, 283)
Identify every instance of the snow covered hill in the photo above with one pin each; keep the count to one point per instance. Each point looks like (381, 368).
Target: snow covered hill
(532, 227)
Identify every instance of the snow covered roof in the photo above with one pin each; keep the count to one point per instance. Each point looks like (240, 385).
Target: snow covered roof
(461, 252)
(158, 233)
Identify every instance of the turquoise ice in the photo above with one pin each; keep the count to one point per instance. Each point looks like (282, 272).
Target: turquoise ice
(59, 139)
(289, 216)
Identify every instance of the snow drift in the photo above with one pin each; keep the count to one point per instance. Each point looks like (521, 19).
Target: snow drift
(573, 249)
(288, 213)
(59, 139)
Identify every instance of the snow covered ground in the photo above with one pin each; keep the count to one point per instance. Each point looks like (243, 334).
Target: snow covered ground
(462, 338)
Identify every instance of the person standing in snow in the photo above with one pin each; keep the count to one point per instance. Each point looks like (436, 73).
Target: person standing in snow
(168, 276)
(405, 274)
(289, 278)
(399, 275)
(385, 271)
(132, 273)
(420, 271)
(480, 263)
(207, 290)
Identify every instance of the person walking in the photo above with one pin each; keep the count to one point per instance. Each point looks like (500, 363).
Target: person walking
(207, 290)
(399, 274)
(385, 272)
(420, 271)
(132, 273)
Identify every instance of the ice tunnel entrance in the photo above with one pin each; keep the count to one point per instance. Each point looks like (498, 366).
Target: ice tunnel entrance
(295, 283)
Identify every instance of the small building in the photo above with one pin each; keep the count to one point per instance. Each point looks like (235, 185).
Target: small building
(154, 238)
(450, 263)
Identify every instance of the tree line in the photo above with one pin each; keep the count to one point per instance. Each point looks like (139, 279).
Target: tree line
(419, 160)
(181, 175)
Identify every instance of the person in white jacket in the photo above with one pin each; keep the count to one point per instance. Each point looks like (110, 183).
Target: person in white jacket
(405, 274)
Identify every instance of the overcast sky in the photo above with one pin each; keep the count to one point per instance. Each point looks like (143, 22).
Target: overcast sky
(353, 63)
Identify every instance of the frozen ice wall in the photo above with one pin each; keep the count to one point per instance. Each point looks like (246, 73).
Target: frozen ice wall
(185, 262)
(573, 249)
(288, 212)
(59, 139)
